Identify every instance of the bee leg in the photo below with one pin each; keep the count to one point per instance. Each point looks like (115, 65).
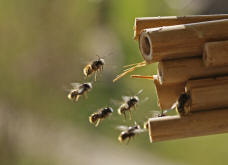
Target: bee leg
(128, 140)
(98, 121)
(85, 95)
(135, 107)
(124, 116)
(100, 72)
(95, 76)
(130, 115)
(77, 97)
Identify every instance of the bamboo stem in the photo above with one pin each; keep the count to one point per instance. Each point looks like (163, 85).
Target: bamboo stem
(153, 22)
(181, 70)
(207, 94)
(196, 124)
(168, 94)
(180, 41)
(215, 53)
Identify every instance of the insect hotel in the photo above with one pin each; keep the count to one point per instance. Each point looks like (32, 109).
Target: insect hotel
(192, 57)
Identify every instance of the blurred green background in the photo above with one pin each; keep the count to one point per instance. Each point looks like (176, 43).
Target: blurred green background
(44, 45)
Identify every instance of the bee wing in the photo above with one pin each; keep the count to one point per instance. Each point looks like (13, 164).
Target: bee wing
(156, 113)
(66, 89)
(145, 100)
(122, 127)
(116, 102)
(126, 98)
(139, 92)
(139, 131)
(75, 85)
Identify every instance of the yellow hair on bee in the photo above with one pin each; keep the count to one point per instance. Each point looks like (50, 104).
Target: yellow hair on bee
(120, 139)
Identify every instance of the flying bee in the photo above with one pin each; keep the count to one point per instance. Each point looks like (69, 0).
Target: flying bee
(94, 67)
(129, 132)
(100, 115)
(129, 103)
(79, 90)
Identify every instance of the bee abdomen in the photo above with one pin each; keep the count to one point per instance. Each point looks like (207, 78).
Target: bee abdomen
(88, 70)
(94, 117)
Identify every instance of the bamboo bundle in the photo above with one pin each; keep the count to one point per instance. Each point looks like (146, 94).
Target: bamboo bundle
(190, 55)
(207, 94)
(196, 124)
(153, 22)
(180, 41)
(181, 70)
(215, 53)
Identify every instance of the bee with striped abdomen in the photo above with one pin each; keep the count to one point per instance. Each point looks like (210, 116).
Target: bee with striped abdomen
(79, 90)
(94, 67)
(100, 115)
(129, 132)
(129, 103)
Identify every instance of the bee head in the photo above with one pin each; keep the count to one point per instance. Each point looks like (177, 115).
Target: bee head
(135, 99)
(87, 85)
(102, 61)
(109, 109)
(93, 118)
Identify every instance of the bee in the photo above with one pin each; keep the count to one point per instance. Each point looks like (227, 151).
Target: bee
(100, 115)
(79, 90)
(94, 67)
(129, 103)
(181, 102)
(129, 132)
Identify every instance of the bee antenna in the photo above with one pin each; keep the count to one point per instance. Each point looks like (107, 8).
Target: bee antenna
(98, 56)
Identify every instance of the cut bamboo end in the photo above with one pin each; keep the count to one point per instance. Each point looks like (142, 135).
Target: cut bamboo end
(181, 70)
(167, 95)
(207, 94)
(178, 41)
(196, 124)
(145, 46)
(215, 53)
(153, 22)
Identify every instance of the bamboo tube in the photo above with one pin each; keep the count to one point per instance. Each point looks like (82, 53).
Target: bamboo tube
(196, 124)
(180, 41)
(168, 94)
(215, 53)
(181, 70)
(207, 94)
(153, 22)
